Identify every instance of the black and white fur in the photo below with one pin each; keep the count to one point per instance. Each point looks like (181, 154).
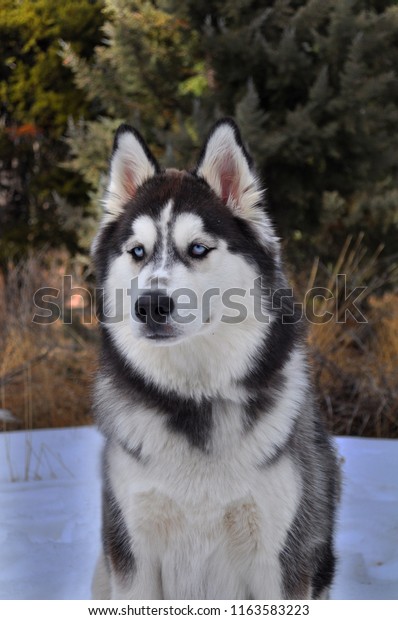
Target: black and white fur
(219, 479)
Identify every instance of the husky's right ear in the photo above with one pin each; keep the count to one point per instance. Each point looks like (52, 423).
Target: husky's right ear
(132, 163)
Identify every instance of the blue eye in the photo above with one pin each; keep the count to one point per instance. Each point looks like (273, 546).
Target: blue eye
(138, 252)
(198, 250)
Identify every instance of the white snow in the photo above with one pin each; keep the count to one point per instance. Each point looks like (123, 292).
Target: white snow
(50, 515)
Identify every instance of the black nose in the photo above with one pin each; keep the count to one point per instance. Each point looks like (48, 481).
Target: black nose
(153, 307)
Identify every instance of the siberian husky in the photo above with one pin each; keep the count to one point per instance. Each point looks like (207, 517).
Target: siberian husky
(219, 479)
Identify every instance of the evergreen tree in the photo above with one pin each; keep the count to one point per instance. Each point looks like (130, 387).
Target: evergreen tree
(36, 85)
(314, 86)
(148, 73)
(38, 96)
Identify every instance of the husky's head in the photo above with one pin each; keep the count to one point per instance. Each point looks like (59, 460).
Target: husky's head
(179, 254)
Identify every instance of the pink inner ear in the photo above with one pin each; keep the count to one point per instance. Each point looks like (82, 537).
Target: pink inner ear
(129, 184)
(228, 180)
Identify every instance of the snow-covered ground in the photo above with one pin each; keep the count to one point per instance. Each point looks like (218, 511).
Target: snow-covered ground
(50, 516)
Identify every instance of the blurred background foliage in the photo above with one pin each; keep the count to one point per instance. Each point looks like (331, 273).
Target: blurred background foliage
(38, 97)
(313, 85)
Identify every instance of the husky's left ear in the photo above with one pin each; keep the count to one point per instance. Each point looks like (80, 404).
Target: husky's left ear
(132, 163)
(227, 167)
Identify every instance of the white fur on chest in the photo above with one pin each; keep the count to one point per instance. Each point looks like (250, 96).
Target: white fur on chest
(219, 535)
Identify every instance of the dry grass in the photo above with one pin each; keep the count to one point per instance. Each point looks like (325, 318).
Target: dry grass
(45, 370)
(355, 364)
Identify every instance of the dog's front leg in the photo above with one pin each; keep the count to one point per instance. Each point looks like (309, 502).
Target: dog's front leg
(143, 583)
(268, 583)
(101, 587)
(133, 569)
